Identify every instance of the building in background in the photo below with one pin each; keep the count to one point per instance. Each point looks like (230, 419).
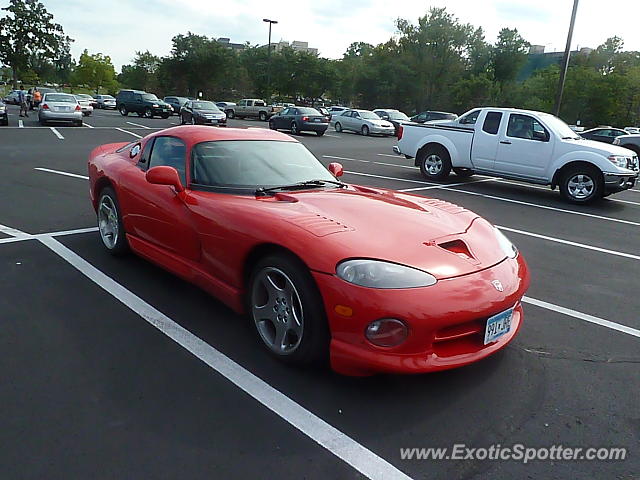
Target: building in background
(297, 45)
(538, 59)
(233, 46)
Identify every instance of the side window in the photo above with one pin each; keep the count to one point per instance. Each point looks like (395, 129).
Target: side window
(295, 111)
(169, 151)
(422, 117)
(492, 122)
(143, 161)
(242, 103)
(259, 103)
(526, 127)
(355, 114)
(346, 113)
(137, 97)
(470, 118)
(285, 111)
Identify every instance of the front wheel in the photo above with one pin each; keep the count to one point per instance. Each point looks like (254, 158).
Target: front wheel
(463, 172)
(338, 127)
(230, 114)
(148, 113)
(294, 128)
(287, 311)
(582, 184)
(435, 163)
(123, 111)
(364, 130)
(110, 223)
(272, 125)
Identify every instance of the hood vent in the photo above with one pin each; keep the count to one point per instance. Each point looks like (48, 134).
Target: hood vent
(459, 248)
(319, 225)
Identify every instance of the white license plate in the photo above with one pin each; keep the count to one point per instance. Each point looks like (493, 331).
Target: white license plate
(497, 326)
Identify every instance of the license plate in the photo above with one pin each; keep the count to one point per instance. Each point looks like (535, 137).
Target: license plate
(317, 120)
(497, 326)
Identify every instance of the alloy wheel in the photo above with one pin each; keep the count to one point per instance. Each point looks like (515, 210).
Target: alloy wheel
(108, 222)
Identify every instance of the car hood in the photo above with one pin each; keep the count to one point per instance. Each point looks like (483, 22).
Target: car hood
(381, 123)
(360, 222)
(601, 148)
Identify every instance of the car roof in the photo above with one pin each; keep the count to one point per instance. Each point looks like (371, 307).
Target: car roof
(197, 134)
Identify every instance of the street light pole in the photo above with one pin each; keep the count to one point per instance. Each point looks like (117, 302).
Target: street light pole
(565, 60)
(270, 22)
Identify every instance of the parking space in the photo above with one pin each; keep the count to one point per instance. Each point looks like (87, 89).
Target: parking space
(94, 388)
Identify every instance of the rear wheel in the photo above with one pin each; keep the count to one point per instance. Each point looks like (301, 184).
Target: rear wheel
(123, 111)
(364, 130)
(320, 133)
(463, 172)
(435, 163)
(165, 115)
(287, 311)
(230, 114)
(110, 223)
(581, 184)
(263, 116)
(294, 128)
(193, 120)
(272, 125)
(338, 127)
(148, 113)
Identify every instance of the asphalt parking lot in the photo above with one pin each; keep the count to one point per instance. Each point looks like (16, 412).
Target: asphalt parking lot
(90, 389)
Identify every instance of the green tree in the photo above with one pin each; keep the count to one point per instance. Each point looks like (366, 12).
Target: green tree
(95, 71)
(143, 74)
(508, 56)
(28, 29)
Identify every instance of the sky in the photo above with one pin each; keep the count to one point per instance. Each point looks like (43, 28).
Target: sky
(119, 28)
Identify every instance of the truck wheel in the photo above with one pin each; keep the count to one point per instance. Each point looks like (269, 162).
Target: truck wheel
(581, 184)
(435, 163)
(463, 172)
(262, 116)
(230, 114)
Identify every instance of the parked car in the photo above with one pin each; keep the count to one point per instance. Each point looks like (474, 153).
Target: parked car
(13, 98)
(395, 117)
(252, 108)
(430, 116)
(632, 130)
(337, 110)
(60, 107)
(300, 119)
(176, 103)
(325, 271)
(202, 112)
(603, 134)
(361, 121)
(325, 111)
(143, 103)
(524, 145)
(225, 105)
(631, 141)
(105, 101)
(4, 116)
(85, 102)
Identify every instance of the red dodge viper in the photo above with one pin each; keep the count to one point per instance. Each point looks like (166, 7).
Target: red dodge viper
(372, 279)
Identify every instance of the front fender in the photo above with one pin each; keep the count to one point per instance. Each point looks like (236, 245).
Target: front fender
(597, 160)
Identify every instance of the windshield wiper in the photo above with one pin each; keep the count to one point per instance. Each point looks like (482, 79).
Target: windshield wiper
(300, 186)
(571, 138)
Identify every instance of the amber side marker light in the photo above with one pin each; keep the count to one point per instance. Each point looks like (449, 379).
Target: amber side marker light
(343, 310)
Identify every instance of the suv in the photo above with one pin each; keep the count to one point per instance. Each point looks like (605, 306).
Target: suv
(143, 103)
(252, 107)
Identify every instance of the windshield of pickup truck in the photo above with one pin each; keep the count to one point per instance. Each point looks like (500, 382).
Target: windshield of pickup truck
(559, 127)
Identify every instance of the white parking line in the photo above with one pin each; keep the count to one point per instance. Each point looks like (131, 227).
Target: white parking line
(20, 124)
(130, 133)
(87, 125)
(21, 236)
(388, 178)
(342, 446)
(332, 136)
(138, 125)
(582, 316)
(436, 186)
(568, 242)
(389, 155)
(56, 133)
(369, 161)
(58, 172)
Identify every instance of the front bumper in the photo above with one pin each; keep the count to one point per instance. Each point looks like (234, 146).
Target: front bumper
(108, 105)
(382, 130)
(48, 116)
(211, 121)
(162, 111)
(617, 182)
(446, 321)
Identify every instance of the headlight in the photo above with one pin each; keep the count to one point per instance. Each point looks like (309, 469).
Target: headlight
(379, 274)
(155, 105)
(507, 247)
(618, 160)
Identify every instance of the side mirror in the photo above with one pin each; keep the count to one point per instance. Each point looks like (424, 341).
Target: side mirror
(336, 169)
(540, 136)
(164, 175)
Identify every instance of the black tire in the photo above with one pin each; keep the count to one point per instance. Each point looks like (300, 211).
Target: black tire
(262, 116)
(121, 245)
(463, 172)
(230, 114)
(193, 120)
(182, 120)
(313, 346)
(294, 129)
(581, 184)
(148, 113)
(79, 123)
(123, 111)
(436, 154)
(272, 125)
(338, 127)
(364, 130)
(165, 115)
(320, 132)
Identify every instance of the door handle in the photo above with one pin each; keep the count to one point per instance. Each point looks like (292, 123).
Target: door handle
(505, 142)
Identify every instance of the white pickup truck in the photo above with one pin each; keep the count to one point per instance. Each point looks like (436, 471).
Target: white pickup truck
(523, 145)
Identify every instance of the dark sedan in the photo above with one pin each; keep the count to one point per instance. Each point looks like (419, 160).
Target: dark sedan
(429, 116)
(202, 112)
(395, 117)
(176, 102)
(300, 119)
(603, 134)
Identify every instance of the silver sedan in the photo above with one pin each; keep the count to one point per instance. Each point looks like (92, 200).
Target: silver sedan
(60, 107)
(362, 121)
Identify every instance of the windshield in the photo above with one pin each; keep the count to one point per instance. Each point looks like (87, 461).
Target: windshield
(398, 116)
(366, 115)
(558, 126)
(254, 163)
(150, 97)
(205, 106)
(60, 97)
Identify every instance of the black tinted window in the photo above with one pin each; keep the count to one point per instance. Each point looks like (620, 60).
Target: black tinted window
(492, 122)
(169, 151)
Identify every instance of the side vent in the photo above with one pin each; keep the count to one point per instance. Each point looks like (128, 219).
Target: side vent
(459, 248)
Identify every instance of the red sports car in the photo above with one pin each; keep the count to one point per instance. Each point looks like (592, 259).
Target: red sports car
(374, 280)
